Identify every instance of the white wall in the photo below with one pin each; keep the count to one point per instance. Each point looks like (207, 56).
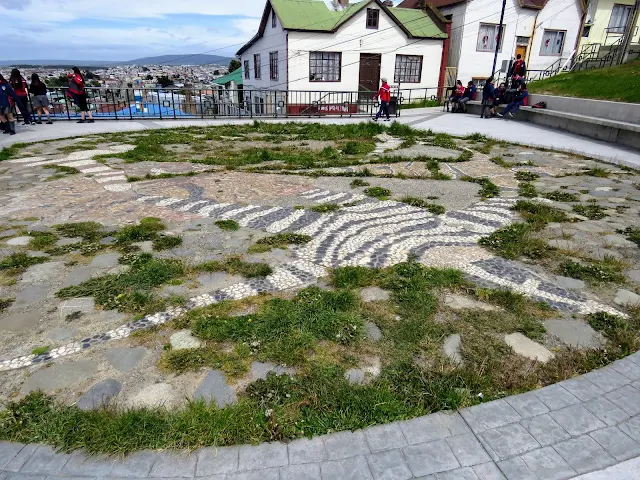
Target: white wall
(457, 13)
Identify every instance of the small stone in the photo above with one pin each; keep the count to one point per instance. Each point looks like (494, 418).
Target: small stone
(73, 305)
(528, 348)
(574, 333)
(214, 387)
(568, 282)
(460, 302)
(354, 376)
(99, 394)
(451, 348)
(124, 359)
(626, 298)
(63, 242)
(61, 334)
(156, 395)
(183, 339)
(562, 244)
(106, 260)
(374, 294)
(372, 331)
(19, 241)
(8, 233)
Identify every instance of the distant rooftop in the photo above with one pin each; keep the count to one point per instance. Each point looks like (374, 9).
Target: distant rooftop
(235, 76)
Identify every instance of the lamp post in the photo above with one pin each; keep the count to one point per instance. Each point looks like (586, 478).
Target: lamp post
(499, 38)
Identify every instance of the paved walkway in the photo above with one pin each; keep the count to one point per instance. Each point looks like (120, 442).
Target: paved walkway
(424, 118)
(582, 425)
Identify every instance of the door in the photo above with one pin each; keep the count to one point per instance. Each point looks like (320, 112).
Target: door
(522, 50)
(369, 81)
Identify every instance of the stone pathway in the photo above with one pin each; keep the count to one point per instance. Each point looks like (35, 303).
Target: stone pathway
(577, 426)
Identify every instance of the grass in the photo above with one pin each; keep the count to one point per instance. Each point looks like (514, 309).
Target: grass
(424, 103)
(515, 241)
(165, 242)
(526, 189)
(632, 234)
(601, 83)
(89, 231)
(234, 265)
(525, 176)
(488, 190)
(41, 350)
(378, 192)
(41, 240)
(147, 229)
(591, 211)
(596, 172)
(539, 214)
(62, 169)
(228, 225)
(325, 208)
(560, 196)
(12, 151)
(444, 140)
(6, 303)
(420, 203)
(359, 183)
(233, 364)
(607, 270)
(18, 262)
(279, 240)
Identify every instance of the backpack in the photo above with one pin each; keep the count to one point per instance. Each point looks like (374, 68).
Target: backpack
(540, 105)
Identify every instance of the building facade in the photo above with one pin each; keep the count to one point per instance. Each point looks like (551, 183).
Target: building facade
(607, 20)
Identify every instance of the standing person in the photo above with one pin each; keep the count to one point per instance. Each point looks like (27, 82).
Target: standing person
(6, 109)
(488, 97)
(385, 97)
(19, 85)
(78, 93)
(468, 94)
(40, 99)
(517, 102)
(518, 70)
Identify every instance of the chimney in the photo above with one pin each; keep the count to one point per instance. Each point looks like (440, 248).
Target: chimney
(388, 3)
(340, 4)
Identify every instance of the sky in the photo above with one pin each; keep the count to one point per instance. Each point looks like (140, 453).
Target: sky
(125, 29)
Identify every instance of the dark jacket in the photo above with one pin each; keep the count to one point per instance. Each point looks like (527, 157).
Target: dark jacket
(38, 88)
(488, 92)
(469, 92)
(521, 95)
(6, 92)
(499, 93)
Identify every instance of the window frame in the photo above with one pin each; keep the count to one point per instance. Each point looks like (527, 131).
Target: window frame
(623, 27)
(339, 54)
(273, 19)
(371, 17)
(556, 31)
(273, 65)
(247, 70)
(396, 77)
(496, 30)
(257, 66)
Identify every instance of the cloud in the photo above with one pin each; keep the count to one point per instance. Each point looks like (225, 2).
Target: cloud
(14, 5)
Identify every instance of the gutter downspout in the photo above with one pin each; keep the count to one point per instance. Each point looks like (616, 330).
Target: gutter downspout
(443, 60)
(286, 56)
(533, 36)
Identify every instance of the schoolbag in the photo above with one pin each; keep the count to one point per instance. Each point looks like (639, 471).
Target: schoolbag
(540, 105)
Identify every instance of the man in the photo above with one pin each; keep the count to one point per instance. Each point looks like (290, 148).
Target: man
(518, 70)
(468, 94)
(385, 97)
(517, 102)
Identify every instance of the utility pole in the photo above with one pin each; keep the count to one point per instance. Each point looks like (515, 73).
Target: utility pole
(628, 34)
(499, 38)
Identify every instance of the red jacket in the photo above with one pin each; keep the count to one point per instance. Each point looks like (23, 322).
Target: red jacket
(21, 88)
(384, 93)
(459, 90)
(76, 84)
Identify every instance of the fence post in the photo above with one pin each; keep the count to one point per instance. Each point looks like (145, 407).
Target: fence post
(129, 103)
(66, 104)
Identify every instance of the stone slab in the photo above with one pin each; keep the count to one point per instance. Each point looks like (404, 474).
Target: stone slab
(570, 283)
(18, 322)
(461, 302)
(184, 339)
(73, 305)
(31, 294)
(124, 359)
(574, 333)
(99, 394)
(626, 298)
(42, 272)
(19, 241)
(526, 347)
(156, 395)
(59, 376)
(105, 260)
(214, 387)
(374, 294)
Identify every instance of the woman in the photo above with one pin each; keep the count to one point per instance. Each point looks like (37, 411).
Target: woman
(19, 85)
(7, 122)
(457, 95)
(488, 96)
(40, 99)
(78, 93)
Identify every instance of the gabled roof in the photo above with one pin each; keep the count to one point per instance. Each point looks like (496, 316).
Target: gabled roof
(316, 16)
(427, 3)
(235, 76)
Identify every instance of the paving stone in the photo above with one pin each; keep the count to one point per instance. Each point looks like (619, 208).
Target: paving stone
(563, 244)
(8, 450)
(99, 394)
(63, 242)
(605, 410)
(452, 349)
(61, 334)
(19, 241)
(124, 359)
(461, 302)
(265, 455)
(584, 454)
(545, 430)
(603, 253)
(45, 459)
(59, 376)
(546, 463)
(616, 443)
(526, 347)
(631, 427)
(184, 339)
(214, 387)
(489, 415)
(577, 420)
(373, 333)
(428, 458)
(30, 294)
(42, 272)
(169, 464)
(633, 275)
(306, 450)
(156, 395)
(354, 468)
(18, 322)
(617, 241)
(516, 469)
(38, 254)
(145, 247)
(8, 233)
(137, 464)
(488, 471)
(107, 241)
(299, 472)
(628, 368)
(217, 460)
(454, 422)
(570, 283)
(374, 294)
(508, 441)
(263, 474)
(468, 450)
(627, 398)
(555, 397)
(80, 464)
(389, 465)
(16, 463)
(424, 429)
(345, 444)
(574, 333)
(354, 376)
(527, 405)
(626, 298)
(464, 473)
(73, 305)
(105, 260)
(607, 379)
(78, 275)
(217, 280)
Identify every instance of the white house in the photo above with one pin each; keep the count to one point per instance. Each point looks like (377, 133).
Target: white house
(305, 49)
(544, 32)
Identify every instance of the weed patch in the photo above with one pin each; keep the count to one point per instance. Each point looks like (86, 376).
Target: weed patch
(233, 364)
(607, 270)
(89, 231)
(560, 196)
(420, 203)
(515, 241)
(488, 190)
(40, 350)
(229, 225)
(591, 211)
(538, 214)
(17, 263)
(280, 240)
(359, 183)
(632, 234)
(325, 208)
(527, 190)
(525, 176)
(165, 242)
(378, 192)
(147, 229)
(6, 303)
(236, 266)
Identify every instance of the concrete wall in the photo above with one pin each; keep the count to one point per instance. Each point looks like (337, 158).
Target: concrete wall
(617, 111)
(600, 18)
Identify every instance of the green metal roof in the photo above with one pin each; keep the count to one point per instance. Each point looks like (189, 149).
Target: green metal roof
(418, 23)
(235, 76)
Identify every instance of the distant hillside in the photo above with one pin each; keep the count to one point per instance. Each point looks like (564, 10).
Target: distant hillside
(197, 59)
(57, 63)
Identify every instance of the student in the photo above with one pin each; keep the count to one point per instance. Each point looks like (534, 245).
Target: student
(385, 97)
(498, 98)
(78, 93)
(517, 102)
(7, 122)
(19, 85)
(456, 96)
(488, 97)
(518, 69)
(40, 99)
(468, 94)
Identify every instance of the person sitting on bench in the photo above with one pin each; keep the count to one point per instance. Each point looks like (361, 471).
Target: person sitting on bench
(468, 94)
(498, 98)
(457, 95)
(519, 100)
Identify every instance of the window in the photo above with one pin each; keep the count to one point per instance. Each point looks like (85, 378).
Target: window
(408, 69)
(273, 65)
(257, 67)
(524, 41)
(552, 42)
(586, 30)
(324, 66)
(488, 36)
(373, 15)
(620, 16)
(273, 19)
(247, 73)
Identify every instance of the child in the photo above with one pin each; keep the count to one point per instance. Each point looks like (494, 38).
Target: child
(19, 85)
(78, 93)
(6, 108)
(40, 99)
(385, 96)
(457, 95)
(488, 96)
(517, 102)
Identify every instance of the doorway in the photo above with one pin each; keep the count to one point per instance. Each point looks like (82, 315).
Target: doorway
(522, 50)
(369, 75)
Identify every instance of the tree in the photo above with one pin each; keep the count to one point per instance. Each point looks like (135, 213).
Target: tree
(149, 77)
(61, 81)
(216, 72)
(164, 81)
(234, 65)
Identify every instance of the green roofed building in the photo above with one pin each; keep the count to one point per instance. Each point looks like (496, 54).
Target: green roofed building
(312, 52)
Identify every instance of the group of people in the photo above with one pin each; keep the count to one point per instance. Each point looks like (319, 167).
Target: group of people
(15, 94)
(461, 95)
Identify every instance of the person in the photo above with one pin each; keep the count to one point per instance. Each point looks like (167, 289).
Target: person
(517, 102)
(488, 97)
(518, 70)
(456, 96)
(19, 85)
(40, 99)
(468, 94)
(78, 93)
(7, 95)
(385, 97)
(498, 98)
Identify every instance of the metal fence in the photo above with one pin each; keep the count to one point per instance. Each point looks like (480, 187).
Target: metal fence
(217, 101)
